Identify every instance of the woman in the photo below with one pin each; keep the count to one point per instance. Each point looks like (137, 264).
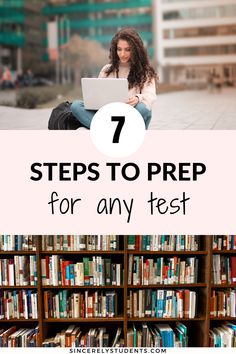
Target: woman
(128, 59)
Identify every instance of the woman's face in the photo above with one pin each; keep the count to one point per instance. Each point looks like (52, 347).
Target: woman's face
(123, 51)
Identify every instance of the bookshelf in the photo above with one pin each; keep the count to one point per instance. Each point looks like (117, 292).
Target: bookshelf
(23, 255)
(199, 322)
(222, 283)
(103, 308)
(90, 256)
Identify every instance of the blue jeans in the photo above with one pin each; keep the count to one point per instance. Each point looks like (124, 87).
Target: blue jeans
(85, 116)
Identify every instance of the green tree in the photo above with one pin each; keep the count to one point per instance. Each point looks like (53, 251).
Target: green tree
(85, 57)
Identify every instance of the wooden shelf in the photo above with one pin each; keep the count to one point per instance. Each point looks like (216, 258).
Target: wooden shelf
(85, 287)
(222, 318)
(23, 287)
(15, 253)
(163, 286)
(223, 286)
(86, 320)
(92, 253)
(224, 252)
(19, 320)
(168, 253)
(157, 319)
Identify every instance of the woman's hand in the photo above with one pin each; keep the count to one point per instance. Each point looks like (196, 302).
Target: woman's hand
(133, 100)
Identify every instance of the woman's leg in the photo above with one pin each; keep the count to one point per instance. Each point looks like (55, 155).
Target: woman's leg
(145, 113)
(83, 115)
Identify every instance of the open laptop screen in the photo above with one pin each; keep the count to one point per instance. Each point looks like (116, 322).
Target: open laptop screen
(100, 91)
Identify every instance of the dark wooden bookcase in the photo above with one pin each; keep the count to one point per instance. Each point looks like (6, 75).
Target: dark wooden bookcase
(217, 321)
(198, 327)
(49, 327)
(199, 324)
(23, 323)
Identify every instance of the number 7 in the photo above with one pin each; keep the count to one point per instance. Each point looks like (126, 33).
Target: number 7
(121, 122)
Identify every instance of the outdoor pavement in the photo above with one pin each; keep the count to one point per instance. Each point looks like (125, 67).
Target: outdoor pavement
(18, 118)
(177, 110)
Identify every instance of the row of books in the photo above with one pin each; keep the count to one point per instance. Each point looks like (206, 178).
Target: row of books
(20, 270)
(223, 303)
(80, 243)
(158, 335)
(111, 242)
(94, 270)
(155, 335)
(87, 304)
(223, 269)
(18, 304)
(223, 336)
(163, 242)
(161, 303)
(73, 336)
(224, 242)
(159, 270)
(18, 242)
(23, 337)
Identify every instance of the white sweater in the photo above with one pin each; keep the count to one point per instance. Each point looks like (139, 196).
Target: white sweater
(148, 94)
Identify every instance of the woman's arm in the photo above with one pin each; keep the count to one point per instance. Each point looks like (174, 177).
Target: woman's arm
(148, 94)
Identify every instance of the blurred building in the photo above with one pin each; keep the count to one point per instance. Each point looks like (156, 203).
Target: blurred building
(100, 19)
(194, 38)
(21, 41)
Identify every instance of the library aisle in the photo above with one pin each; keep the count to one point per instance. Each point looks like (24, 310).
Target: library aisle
(117, 291)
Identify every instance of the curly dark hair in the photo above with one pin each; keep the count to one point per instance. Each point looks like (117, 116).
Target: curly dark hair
(140, 68)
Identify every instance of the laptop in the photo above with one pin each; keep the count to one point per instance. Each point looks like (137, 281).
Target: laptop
(99, 91)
